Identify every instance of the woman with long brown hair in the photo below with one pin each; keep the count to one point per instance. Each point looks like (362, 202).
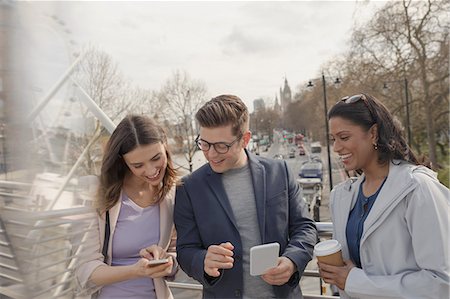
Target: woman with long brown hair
(135, 206)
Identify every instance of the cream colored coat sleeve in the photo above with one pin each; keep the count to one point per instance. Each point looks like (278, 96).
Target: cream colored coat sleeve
(93, 258)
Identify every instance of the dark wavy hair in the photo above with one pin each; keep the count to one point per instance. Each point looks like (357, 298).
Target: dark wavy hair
(368, 111)
(132, 131)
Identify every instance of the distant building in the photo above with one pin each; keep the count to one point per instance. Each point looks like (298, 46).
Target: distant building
(285, 95)
(277, 106)
(258, 105)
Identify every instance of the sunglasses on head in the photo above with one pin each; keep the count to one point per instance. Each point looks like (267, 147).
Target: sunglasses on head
(357, 98)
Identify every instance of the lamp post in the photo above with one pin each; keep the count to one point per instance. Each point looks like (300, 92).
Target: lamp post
(327, 130)
(3, 141)
(405, 85)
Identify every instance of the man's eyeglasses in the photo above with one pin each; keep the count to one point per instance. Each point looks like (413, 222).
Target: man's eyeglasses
(357, 98)
(220, 147)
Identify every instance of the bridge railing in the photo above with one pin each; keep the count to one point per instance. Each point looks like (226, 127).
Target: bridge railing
(39, 249)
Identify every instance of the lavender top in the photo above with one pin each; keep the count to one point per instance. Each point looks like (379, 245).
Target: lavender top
(136, 228)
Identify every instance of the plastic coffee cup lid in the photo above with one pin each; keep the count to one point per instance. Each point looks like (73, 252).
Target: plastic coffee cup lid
(327, 247)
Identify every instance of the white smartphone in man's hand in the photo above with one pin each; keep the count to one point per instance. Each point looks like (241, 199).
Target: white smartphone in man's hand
(157, 262)
(263, 257)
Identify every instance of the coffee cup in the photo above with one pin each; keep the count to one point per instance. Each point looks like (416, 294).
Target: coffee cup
(329, 252)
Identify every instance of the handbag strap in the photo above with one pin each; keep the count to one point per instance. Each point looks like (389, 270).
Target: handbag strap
(106, 241)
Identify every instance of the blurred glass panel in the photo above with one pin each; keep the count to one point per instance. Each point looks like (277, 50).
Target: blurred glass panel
(51, 148)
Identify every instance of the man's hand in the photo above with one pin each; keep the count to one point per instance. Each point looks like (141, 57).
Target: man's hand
(280, 274)
(218, 257)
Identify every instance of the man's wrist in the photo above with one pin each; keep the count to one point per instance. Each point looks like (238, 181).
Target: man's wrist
(211, 279)
(295, 276)
(292, 265)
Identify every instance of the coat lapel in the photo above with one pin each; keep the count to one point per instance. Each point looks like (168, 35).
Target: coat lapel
(391, 194)
(259, 187)
(214, 182)
(346, 201)
(166, 219)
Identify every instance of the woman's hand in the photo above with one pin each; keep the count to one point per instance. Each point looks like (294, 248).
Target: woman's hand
(143, 269)
(334, 274)
(153, 252)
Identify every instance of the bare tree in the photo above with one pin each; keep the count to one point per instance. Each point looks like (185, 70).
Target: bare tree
(306, 112)
(180, 98)
(101, 79)
(263, 121)
(405, 39)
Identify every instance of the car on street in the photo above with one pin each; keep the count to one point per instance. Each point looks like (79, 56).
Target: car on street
(278, 157)
(292, 153)
(316, 147)
(315, 158)
(253, 147)
(301, 150)
(263, 148)
(311, 169)
(312, 194)
(264, 145)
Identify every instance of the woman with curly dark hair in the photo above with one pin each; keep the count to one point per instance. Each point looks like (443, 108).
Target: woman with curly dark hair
(135, 206)
(393, 220)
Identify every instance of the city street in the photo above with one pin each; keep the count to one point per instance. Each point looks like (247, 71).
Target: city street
(294, 165)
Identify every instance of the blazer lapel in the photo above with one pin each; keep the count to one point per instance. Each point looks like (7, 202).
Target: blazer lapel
(259, 187)
(215, 184)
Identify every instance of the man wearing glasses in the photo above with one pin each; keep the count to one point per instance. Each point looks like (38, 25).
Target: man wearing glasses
(234, 202)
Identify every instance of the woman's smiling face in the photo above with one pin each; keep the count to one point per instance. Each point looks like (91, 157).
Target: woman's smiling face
(353, 144)
(148, 162)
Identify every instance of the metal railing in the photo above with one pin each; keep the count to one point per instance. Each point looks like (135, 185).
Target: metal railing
(39, 249)
(325, 230)
(199, 288)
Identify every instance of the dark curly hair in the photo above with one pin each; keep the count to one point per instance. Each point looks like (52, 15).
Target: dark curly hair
(367, 111)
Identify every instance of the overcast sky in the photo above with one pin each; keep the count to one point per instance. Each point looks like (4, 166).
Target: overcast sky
(242, 48)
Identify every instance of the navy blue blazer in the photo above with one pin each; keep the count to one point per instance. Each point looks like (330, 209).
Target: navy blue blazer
(203, 216)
